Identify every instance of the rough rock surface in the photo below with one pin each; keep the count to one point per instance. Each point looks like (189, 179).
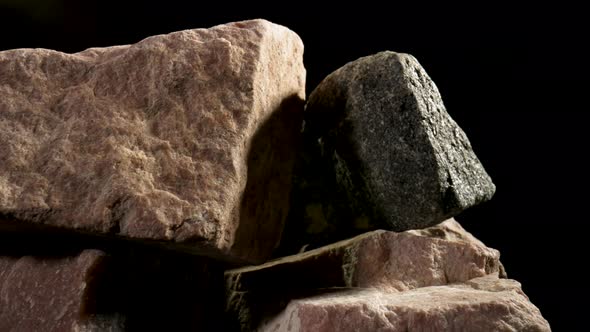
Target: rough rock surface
(453, 231)
(179, 138)
(380, 259)
(482, 304)
(51, 293)
(382, 152)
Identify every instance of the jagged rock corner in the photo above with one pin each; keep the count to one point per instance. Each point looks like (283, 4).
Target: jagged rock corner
(381, 152)
(181, 183)
(182, 138)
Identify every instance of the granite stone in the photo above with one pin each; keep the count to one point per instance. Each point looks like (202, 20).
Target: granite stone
(380, 151)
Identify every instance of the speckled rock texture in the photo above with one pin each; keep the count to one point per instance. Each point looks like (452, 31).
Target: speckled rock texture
(51, 293)
(381, 152)
(186, 138)
(386, 260)
(482, 304)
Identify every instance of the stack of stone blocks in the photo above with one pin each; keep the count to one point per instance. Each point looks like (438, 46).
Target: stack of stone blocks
(185, 183)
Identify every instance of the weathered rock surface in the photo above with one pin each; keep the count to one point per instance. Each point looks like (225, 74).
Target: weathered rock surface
(482, 304)
(179, 138)
(381, 152)
(380, 259)
(51, 293)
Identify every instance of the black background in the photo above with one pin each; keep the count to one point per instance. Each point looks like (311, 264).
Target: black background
(512, 78)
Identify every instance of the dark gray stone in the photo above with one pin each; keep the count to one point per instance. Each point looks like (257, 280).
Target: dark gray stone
(381, 151)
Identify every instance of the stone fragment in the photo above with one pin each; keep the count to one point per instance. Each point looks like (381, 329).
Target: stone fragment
(482, 304)
(381, 152)
(379, 259)
(51, 293)
(185, 138)
(451, 230)
(126, 290)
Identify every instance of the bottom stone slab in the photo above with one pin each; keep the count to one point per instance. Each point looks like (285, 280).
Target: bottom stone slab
(127, 289)
(390, 261)
(51, 293)
(481, 304)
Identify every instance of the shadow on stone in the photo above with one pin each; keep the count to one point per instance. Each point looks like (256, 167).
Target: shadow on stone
(105, 284)
(265, 201)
